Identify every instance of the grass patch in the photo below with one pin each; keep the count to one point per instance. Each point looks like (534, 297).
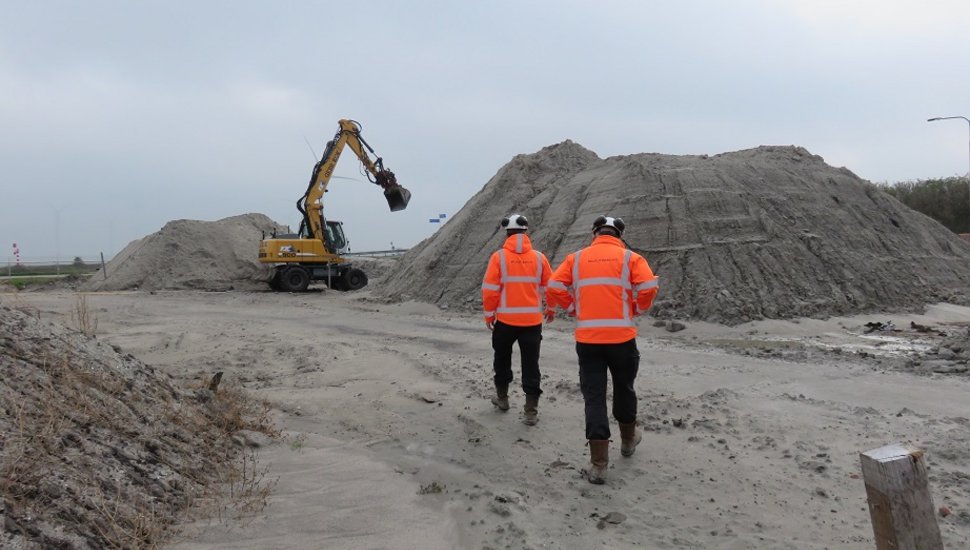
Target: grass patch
(432, 488)
(50, 269)
(298, 442)
(21, 283)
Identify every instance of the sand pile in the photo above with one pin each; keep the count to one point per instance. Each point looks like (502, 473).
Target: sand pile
(770, 232)
(376, 267)
(97, 449)
(191, 254)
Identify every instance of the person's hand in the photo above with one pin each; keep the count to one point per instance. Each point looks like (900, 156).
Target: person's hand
(550, 315)
(490, 323)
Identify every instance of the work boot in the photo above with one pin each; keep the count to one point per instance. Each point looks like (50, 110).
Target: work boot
(531, 410)
(501, 398)
(630, 437)
(599, 452)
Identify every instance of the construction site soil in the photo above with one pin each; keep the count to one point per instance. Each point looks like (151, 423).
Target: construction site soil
(753, 432)
(821, 318)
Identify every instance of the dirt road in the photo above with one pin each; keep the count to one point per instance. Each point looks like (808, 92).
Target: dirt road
(753, 433)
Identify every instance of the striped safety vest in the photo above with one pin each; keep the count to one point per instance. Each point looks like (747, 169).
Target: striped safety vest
(604, 286)
(515, 283)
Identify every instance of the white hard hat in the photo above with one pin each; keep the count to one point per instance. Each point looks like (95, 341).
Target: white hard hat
(515, 221)
(607, 221)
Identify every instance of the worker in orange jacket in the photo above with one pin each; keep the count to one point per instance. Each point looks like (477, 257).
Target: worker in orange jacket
(605, 286)
(512, 293)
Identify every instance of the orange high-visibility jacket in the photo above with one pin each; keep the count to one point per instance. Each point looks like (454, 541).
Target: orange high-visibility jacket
(515, 282)
(605, 286)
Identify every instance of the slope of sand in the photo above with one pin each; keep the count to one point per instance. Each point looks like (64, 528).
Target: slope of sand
(96, 447)
(753, 432)
(191, 254)
(202, 255)
(770, 232)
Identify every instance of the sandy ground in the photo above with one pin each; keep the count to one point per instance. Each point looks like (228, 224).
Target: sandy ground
(753, 432)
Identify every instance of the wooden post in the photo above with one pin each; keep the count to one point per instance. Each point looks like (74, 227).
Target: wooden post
(104, 270)
(899, 499)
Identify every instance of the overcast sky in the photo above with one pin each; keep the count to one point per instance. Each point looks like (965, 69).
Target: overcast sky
(117, 117)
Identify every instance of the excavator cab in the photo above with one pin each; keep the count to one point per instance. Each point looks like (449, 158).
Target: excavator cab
(336, 241)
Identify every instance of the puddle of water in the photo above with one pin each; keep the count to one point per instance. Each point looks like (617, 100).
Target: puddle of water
(881, 345)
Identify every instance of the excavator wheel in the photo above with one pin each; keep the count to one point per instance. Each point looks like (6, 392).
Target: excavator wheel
(337, 283)
(294, 279)
(274, 283)
(353, 279)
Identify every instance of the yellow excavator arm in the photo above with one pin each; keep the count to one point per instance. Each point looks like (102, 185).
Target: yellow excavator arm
(311, 203)
(313, 254)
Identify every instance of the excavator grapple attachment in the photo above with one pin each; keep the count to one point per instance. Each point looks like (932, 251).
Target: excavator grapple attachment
(397, 197)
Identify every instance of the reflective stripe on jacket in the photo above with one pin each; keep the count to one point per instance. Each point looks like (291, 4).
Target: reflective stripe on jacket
(515, 283)
(604, 286)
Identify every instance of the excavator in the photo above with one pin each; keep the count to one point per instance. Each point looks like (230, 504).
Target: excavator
(314, 253)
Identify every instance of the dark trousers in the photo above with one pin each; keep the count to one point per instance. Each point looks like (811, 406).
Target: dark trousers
(622, 361)
(529, 338)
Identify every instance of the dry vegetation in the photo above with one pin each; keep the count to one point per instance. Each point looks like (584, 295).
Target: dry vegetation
(84, 321)
(99, 450)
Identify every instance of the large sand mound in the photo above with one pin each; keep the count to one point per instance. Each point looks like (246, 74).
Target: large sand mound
(768, 232)
(191, 254)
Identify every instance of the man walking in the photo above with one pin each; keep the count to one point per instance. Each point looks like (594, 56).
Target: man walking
(604, 286)
(512, 293)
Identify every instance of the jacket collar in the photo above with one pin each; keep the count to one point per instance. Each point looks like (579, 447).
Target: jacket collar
(518, 243)
(608, 240)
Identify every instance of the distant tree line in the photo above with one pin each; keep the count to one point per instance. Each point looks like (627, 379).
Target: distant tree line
(946, 200)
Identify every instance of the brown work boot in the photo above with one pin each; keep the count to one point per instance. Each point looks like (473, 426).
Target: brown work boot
(630, 437)
(531, 410)
(501, 398)
(599, 452)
